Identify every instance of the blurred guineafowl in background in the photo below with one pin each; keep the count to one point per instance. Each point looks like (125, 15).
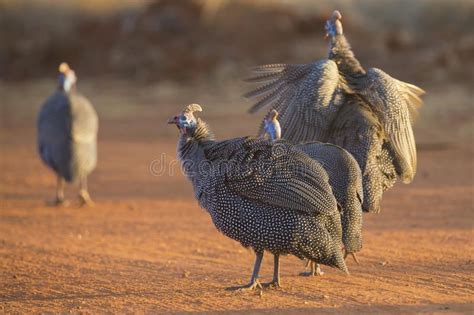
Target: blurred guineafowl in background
(67, 135)
(335, 100)
(345, 179)
(265, 194)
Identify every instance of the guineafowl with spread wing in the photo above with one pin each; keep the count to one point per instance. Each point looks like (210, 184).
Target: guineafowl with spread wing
(335, 100)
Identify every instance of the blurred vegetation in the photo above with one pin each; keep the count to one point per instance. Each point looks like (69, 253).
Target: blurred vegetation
(132, 55)
(425, 41)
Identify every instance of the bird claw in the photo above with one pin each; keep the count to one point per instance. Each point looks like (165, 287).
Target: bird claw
(273, 284)
(85, 200)
(250, 287)
(318, 271)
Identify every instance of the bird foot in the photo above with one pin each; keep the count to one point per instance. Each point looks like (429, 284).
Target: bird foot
(85, 199)
(319, 272)
(273, 284)
(312, 273)
(249, 287)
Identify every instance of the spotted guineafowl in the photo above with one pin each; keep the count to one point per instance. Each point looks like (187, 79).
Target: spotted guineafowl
(265, 194)
(67, 135)
(345, 179)
(335, 100)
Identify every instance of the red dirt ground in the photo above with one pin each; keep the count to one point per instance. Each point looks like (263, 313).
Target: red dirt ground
(147, 247)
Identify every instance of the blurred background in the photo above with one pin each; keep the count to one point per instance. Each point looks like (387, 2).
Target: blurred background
(140, 62)
(206, 46)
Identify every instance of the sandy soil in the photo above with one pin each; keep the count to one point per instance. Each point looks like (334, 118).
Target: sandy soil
(147, 246)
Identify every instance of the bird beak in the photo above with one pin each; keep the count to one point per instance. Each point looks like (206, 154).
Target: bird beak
(172, 120)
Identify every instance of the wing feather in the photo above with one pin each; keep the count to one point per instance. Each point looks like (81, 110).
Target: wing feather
(307, 96)
(395, 103)
(275, 174)
(263, 77)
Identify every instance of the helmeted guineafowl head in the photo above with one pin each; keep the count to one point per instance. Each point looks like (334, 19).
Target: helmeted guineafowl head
(272, 125)
(186, 121)
(67, 77)
(333, 25)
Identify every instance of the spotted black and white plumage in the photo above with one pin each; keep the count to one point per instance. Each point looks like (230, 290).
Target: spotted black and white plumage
(335, 100)
(345, 179)
(67, 133)
(265, 194)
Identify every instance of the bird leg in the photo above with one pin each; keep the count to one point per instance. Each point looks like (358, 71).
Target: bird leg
(84, 196)
(315, 270)
(254, 283)
(353, 256)
(60, 192)
(276, 273)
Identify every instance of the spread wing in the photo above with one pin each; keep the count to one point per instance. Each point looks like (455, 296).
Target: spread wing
(395, 103)
(307, 97)
(274, 174)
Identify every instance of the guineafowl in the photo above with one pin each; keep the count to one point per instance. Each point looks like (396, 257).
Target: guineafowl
(265, 194)
(335, 100)
(345, 179)
(67, 135)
